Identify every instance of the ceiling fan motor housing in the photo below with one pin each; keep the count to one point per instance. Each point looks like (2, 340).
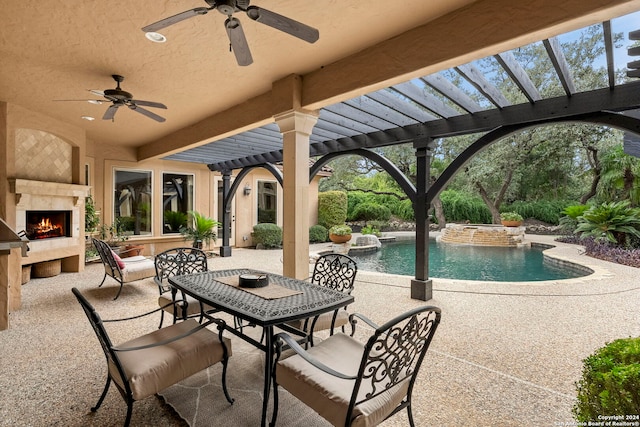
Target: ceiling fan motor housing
(118, 94)
(228, 7)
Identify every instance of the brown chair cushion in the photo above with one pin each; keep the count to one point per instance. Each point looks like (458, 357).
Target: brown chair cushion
(329, 396)
(154, 369)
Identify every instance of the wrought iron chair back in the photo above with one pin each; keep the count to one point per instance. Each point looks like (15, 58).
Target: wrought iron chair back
(177, 262)
(389, 364)
(106, 256)
(393, 355)
(335, 271)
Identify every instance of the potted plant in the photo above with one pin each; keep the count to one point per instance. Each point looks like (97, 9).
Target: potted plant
(113, 234)
(511, 219)
(202, 230)
(340, 233)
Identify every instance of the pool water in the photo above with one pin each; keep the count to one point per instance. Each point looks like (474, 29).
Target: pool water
(464, 262)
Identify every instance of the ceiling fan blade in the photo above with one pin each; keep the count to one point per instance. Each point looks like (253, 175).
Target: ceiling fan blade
(147, 113)
(282, 23)
(111, 112)
(96, 92)
(92, 101)
(149, 103)
(163, 23)
(238, 42)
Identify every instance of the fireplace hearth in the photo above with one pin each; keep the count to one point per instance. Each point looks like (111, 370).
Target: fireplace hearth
(48, 224)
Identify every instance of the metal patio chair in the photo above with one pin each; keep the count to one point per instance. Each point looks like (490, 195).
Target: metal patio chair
(337, 272)
(123, 270)
(177, 262)
(354, 384)
(147, 364)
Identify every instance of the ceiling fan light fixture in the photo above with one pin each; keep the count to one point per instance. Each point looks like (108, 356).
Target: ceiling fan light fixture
(88, 118)
(94, 101)
(155, 37)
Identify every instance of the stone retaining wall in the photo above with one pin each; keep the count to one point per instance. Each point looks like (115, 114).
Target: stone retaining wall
(484, 235)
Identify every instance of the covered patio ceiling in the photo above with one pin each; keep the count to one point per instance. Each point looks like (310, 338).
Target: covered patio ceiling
(460, 100)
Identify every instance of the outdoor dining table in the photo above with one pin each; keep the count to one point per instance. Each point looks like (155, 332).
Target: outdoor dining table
(284, 299)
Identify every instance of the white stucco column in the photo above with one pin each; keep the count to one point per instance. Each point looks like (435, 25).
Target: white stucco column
(296, 127)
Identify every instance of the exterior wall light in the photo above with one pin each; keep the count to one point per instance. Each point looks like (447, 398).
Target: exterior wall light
(247, 189)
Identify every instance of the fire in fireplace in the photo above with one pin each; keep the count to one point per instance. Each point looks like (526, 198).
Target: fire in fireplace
(48, 224)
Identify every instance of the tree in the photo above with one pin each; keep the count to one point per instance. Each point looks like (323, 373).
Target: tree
(620, 176)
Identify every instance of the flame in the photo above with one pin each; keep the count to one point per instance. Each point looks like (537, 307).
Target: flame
(45, 228)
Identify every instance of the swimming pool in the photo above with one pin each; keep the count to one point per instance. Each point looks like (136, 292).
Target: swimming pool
(465, 262)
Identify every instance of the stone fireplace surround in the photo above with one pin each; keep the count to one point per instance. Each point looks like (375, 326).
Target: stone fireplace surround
(34, 195)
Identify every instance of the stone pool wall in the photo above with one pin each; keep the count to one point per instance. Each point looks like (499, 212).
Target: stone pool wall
(484, 235)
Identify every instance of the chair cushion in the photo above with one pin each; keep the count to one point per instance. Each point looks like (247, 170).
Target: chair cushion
(138, 267)
(329, 396)
(193, 306)
(324, 321)
(154, 369)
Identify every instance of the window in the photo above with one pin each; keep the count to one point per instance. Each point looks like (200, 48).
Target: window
(132, 201)
(267, 202)
(177, 201)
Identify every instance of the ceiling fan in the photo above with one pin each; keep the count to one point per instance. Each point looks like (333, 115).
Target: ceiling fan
(119, 98)
(237, 39)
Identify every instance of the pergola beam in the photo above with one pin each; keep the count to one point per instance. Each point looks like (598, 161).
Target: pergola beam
(621, 98)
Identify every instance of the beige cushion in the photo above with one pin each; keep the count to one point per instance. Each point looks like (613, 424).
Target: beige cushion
(193, 306)
(324, 321)
(154, 369)
(138, 267)
(329, 396)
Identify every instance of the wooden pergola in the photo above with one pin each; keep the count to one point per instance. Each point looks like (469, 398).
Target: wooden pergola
(422, 110)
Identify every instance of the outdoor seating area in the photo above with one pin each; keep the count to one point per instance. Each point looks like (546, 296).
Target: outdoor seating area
(505, 354)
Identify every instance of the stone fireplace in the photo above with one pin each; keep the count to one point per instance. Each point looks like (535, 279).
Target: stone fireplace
(51, 214)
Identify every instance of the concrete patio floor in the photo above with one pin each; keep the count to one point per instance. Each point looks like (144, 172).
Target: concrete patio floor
(505, 354)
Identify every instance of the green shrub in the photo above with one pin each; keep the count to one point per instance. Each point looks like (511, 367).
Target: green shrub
(569, 222)
(371, 211)
(404, 210)
(613, 222)
(318, 234)
(355, 198)
(267, 235)
(549, 211)
(332, 208)
(460, 207)
(610, 382)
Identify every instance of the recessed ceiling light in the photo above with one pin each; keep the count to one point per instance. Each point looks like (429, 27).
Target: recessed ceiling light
(155, 37)
(88, 118)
